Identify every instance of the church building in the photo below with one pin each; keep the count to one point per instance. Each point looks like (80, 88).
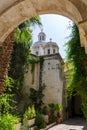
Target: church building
(51, 74)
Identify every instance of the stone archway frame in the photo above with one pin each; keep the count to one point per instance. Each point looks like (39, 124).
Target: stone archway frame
(24, 9)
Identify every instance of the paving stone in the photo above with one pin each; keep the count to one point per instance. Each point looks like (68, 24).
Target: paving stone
(71, 124)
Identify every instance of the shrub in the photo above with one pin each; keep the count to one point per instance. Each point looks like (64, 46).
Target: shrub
(8, 121)
(45, 110)
(39, 121)
(58, 108)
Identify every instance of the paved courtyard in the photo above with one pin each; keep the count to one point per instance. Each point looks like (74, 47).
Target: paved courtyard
(71, 124)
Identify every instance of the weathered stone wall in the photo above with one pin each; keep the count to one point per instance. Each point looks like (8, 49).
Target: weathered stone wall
(31, 79)
(52, 77)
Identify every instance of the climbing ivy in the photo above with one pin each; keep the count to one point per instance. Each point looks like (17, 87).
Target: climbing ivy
(36, 97)
(32, 62)
(76, 55)
(21, 55)
(41, 60)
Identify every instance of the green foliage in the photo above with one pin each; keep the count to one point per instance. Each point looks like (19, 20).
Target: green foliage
(8, 121)
(39, 121)
(30, 113)
(55, 110)
(51, 113)
(20, 61)
(52, 107)
(58, 107)
(45, 110)
(31, 22)
(55, 107)
(41, 60)
(9, 82)
(19, 65)
(21, 55)
(23, 35)
(36, 97)
(34, 21)
(5, 100)
(17, 69)
(76, 55)
(32, 62)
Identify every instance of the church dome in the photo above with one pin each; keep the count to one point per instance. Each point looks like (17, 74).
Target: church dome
(41, 47)
(51, 48)
(42, 33)
(51, 43)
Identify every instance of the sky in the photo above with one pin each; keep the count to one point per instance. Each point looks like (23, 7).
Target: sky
(55, 27)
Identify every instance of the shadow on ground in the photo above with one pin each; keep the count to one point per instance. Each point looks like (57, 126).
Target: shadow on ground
(71, 124)
(76, 122)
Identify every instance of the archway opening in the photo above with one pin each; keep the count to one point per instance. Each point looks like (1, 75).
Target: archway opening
(52, 68)
(27, 10)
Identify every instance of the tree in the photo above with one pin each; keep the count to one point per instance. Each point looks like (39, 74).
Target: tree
(23, 33)
(76, 55)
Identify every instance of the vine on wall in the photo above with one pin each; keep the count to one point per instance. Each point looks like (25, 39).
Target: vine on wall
(76, 55)
(33, 62)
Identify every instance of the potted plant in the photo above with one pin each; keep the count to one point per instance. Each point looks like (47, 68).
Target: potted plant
(19, 123)
(58, 109)
(30, 115)
(18, 126)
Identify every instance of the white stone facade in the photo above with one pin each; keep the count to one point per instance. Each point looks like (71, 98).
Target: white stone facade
(51, 76)
(51, 73)
(53, 79)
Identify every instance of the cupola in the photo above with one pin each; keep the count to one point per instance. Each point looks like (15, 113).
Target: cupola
(41, 36)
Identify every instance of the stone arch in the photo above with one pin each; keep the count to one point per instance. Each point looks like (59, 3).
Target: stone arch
(25, 9)
(12, 13)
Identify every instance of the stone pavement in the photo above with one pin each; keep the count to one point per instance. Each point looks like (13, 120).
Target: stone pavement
(71, 124)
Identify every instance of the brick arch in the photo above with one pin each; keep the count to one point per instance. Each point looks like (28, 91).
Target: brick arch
(12, 13)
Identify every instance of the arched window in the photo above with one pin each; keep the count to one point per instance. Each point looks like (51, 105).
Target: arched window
(43, 38)
(36, 52)
(48, 51)
(40, 38)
